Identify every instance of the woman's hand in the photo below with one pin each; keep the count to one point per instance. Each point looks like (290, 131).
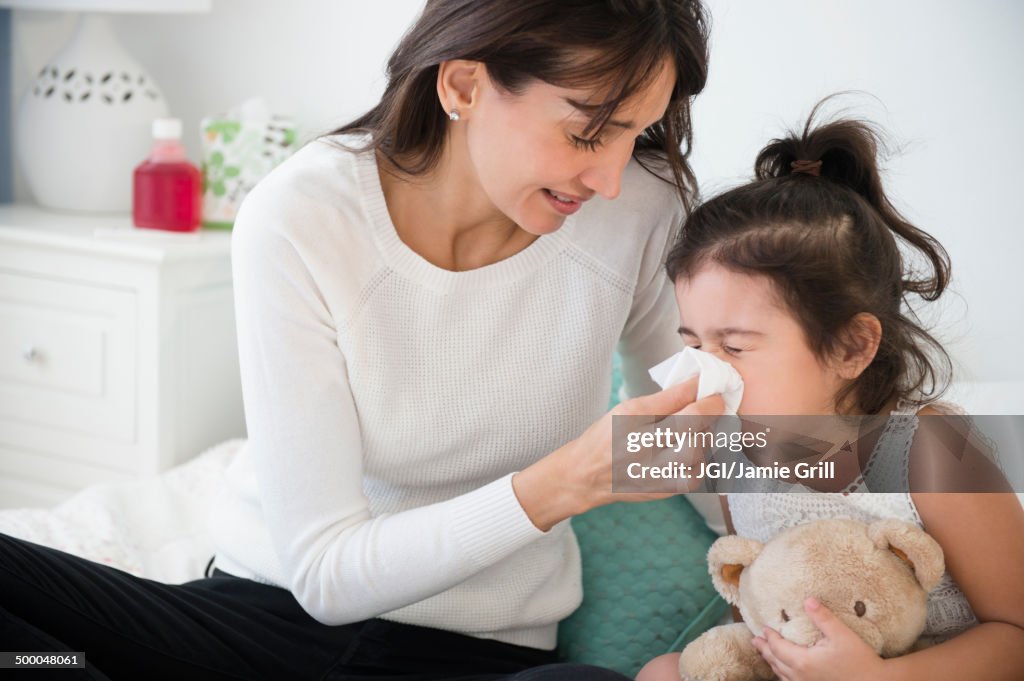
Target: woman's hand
(578, 476)
(840, 656)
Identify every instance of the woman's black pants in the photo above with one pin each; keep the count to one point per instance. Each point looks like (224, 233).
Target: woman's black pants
(227, 627)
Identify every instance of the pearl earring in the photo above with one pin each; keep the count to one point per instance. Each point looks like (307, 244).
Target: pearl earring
(453, 115)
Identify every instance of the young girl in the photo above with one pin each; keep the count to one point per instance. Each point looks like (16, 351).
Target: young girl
(797, 280)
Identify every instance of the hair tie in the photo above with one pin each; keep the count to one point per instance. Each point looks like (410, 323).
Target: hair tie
(808, 167)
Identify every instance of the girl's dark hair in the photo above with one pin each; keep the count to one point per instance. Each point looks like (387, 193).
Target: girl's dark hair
(830, 243)
(618, 44)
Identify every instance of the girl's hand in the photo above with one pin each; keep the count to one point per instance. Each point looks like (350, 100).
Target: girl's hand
(578, 476)
(840, 656)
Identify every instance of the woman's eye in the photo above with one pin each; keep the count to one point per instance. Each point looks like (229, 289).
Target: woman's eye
(586, 144)
(695, 347)
(732, 350)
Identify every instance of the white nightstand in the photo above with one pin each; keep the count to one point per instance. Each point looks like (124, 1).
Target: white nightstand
(117, 351)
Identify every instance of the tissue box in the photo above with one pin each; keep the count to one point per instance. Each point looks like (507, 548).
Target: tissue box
(237, 153)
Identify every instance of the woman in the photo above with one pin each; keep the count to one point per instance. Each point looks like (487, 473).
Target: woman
(428, 300)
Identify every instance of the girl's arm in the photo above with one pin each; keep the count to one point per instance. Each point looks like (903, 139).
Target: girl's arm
(982, 536)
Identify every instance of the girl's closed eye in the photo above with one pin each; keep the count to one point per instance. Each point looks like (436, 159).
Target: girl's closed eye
(728, 349)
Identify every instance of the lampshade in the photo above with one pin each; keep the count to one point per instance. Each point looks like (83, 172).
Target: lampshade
(84, 123)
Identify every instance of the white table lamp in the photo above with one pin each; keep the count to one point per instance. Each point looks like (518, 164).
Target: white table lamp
(84, 123)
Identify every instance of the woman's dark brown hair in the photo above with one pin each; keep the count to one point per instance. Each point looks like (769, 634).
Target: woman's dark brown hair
(613, 44)
(829, 239)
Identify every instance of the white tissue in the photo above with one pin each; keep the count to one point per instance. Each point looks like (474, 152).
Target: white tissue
(716, 376)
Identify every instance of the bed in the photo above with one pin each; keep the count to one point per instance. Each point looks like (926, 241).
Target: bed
(154, 527)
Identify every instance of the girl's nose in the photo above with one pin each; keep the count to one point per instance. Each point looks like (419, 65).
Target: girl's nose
(721, 354)
(728, 359)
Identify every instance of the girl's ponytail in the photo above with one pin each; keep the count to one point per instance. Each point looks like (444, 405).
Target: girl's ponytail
(846, 152)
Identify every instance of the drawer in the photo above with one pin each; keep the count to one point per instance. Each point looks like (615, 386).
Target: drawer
(67, 356)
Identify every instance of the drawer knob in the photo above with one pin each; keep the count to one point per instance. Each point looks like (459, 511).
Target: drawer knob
(30, 353)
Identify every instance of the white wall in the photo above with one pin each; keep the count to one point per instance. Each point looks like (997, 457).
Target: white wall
(947, 75)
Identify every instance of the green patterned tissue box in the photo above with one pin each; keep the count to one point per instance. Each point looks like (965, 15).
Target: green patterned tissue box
(238, 149)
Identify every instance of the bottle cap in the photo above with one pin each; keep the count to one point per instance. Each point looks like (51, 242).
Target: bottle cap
(167, 128)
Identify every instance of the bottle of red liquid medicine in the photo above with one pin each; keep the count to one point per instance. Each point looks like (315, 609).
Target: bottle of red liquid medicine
(166, 188)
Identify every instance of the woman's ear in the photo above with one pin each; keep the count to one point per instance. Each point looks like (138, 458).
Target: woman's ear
(458, 84)
(859, 345)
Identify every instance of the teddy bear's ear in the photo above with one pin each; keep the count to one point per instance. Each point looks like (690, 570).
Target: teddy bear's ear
(727, 558)
(913, 546)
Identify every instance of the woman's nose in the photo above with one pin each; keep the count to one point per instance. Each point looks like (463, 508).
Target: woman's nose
(604, 176)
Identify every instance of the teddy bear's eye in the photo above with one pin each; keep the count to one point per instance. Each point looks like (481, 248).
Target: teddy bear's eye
(860, 608)
(785, 617)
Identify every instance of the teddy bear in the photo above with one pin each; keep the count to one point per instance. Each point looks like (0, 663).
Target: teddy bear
(875, 578)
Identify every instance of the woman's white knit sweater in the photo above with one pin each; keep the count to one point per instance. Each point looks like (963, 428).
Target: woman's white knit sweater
(388, 401)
